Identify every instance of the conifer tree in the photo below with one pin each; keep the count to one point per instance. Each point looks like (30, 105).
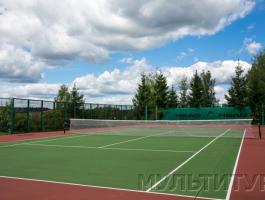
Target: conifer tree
(208, 83)
(256, 85)
(172, 98)
(183, 92)
(160, 90)
(237, 94)
(142, 97)
(196, 91)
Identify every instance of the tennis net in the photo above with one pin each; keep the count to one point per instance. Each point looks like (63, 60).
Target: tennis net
(185, 128)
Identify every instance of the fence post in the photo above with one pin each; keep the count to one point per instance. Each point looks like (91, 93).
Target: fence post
(54, 116)
(28, 120)
(146, 113)
(83, 111)
(156, 112)
(41, 117)
(74, 105)
(65, 111)
(11, 116)
(90, 109)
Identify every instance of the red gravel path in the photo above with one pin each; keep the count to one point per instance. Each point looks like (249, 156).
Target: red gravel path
(250, 171)
(15, 189)
(28, 136)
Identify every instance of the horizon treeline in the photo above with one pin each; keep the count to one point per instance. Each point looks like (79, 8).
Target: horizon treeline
(246, 89)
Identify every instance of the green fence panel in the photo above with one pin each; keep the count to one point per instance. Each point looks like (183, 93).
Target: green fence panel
(213, 113)
(4, 114)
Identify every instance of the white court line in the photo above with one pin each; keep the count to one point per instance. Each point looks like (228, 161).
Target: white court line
(186, 161)
(235, 167)
(37, 140)
(135, 139)
(108, 188)
(120, 149)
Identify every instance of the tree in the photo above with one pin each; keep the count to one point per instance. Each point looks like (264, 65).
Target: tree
(208, 83)
(256, 85)
(142, 97)
(196, 91)
(183, 87)
(160, 90)
(237, 94)
(172, 98)
(63, 94)
(75, 96)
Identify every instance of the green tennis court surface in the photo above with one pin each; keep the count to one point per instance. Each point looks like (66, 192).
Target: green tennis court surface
(149, 159)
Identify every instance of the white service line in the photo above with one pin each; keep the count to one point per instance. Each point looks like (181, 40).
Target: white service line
(235, 167)
(135, 139)
(119, 149)
(152, 150)
(186, 161)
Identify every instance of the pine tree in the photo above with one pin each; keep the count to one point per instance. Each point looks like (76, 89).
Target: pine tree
(237, 94)
(183, 92)
(208, 83)
(172, 98)
(160, 90)
(63, 94)
(75, 96)
(196, 91)
(142, 97)
(256, 85)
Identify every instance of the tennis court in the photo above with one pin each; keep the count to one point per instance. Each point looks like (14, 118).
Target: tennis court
(163, 158)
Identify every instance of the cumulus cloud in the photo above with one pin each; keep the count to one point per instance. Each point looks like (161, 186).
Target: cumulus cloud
(18, 65)
(35, 90)
(57, 32)
(118, 86)
(252, 46)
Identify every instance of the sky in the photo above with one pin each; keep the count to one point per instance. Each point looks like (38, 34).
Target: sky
(103, 46)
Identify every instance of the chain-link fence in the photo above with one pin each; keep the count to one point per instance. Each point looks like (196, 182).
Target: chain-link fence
(25, 115)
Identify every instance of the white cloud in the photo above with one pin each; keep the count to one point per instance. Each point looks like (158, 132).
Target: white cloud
(118, 86)
(35, 90)
(18, 65)
(252, 46)
(57, 32)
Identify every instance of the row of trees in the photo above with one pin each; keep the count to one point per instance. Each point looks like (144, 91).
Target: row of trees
(247, 89)
(153, 91)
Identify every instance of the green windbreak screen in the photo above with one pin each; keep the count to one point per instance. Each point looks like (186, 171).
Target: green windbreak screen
(206, 113)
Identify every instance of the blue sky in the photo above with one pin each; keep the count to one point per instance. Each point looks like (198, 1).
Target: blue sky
(104, 50)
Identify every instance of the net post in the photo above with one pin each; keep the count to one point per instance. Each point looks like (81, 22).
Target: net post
(11, 116)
